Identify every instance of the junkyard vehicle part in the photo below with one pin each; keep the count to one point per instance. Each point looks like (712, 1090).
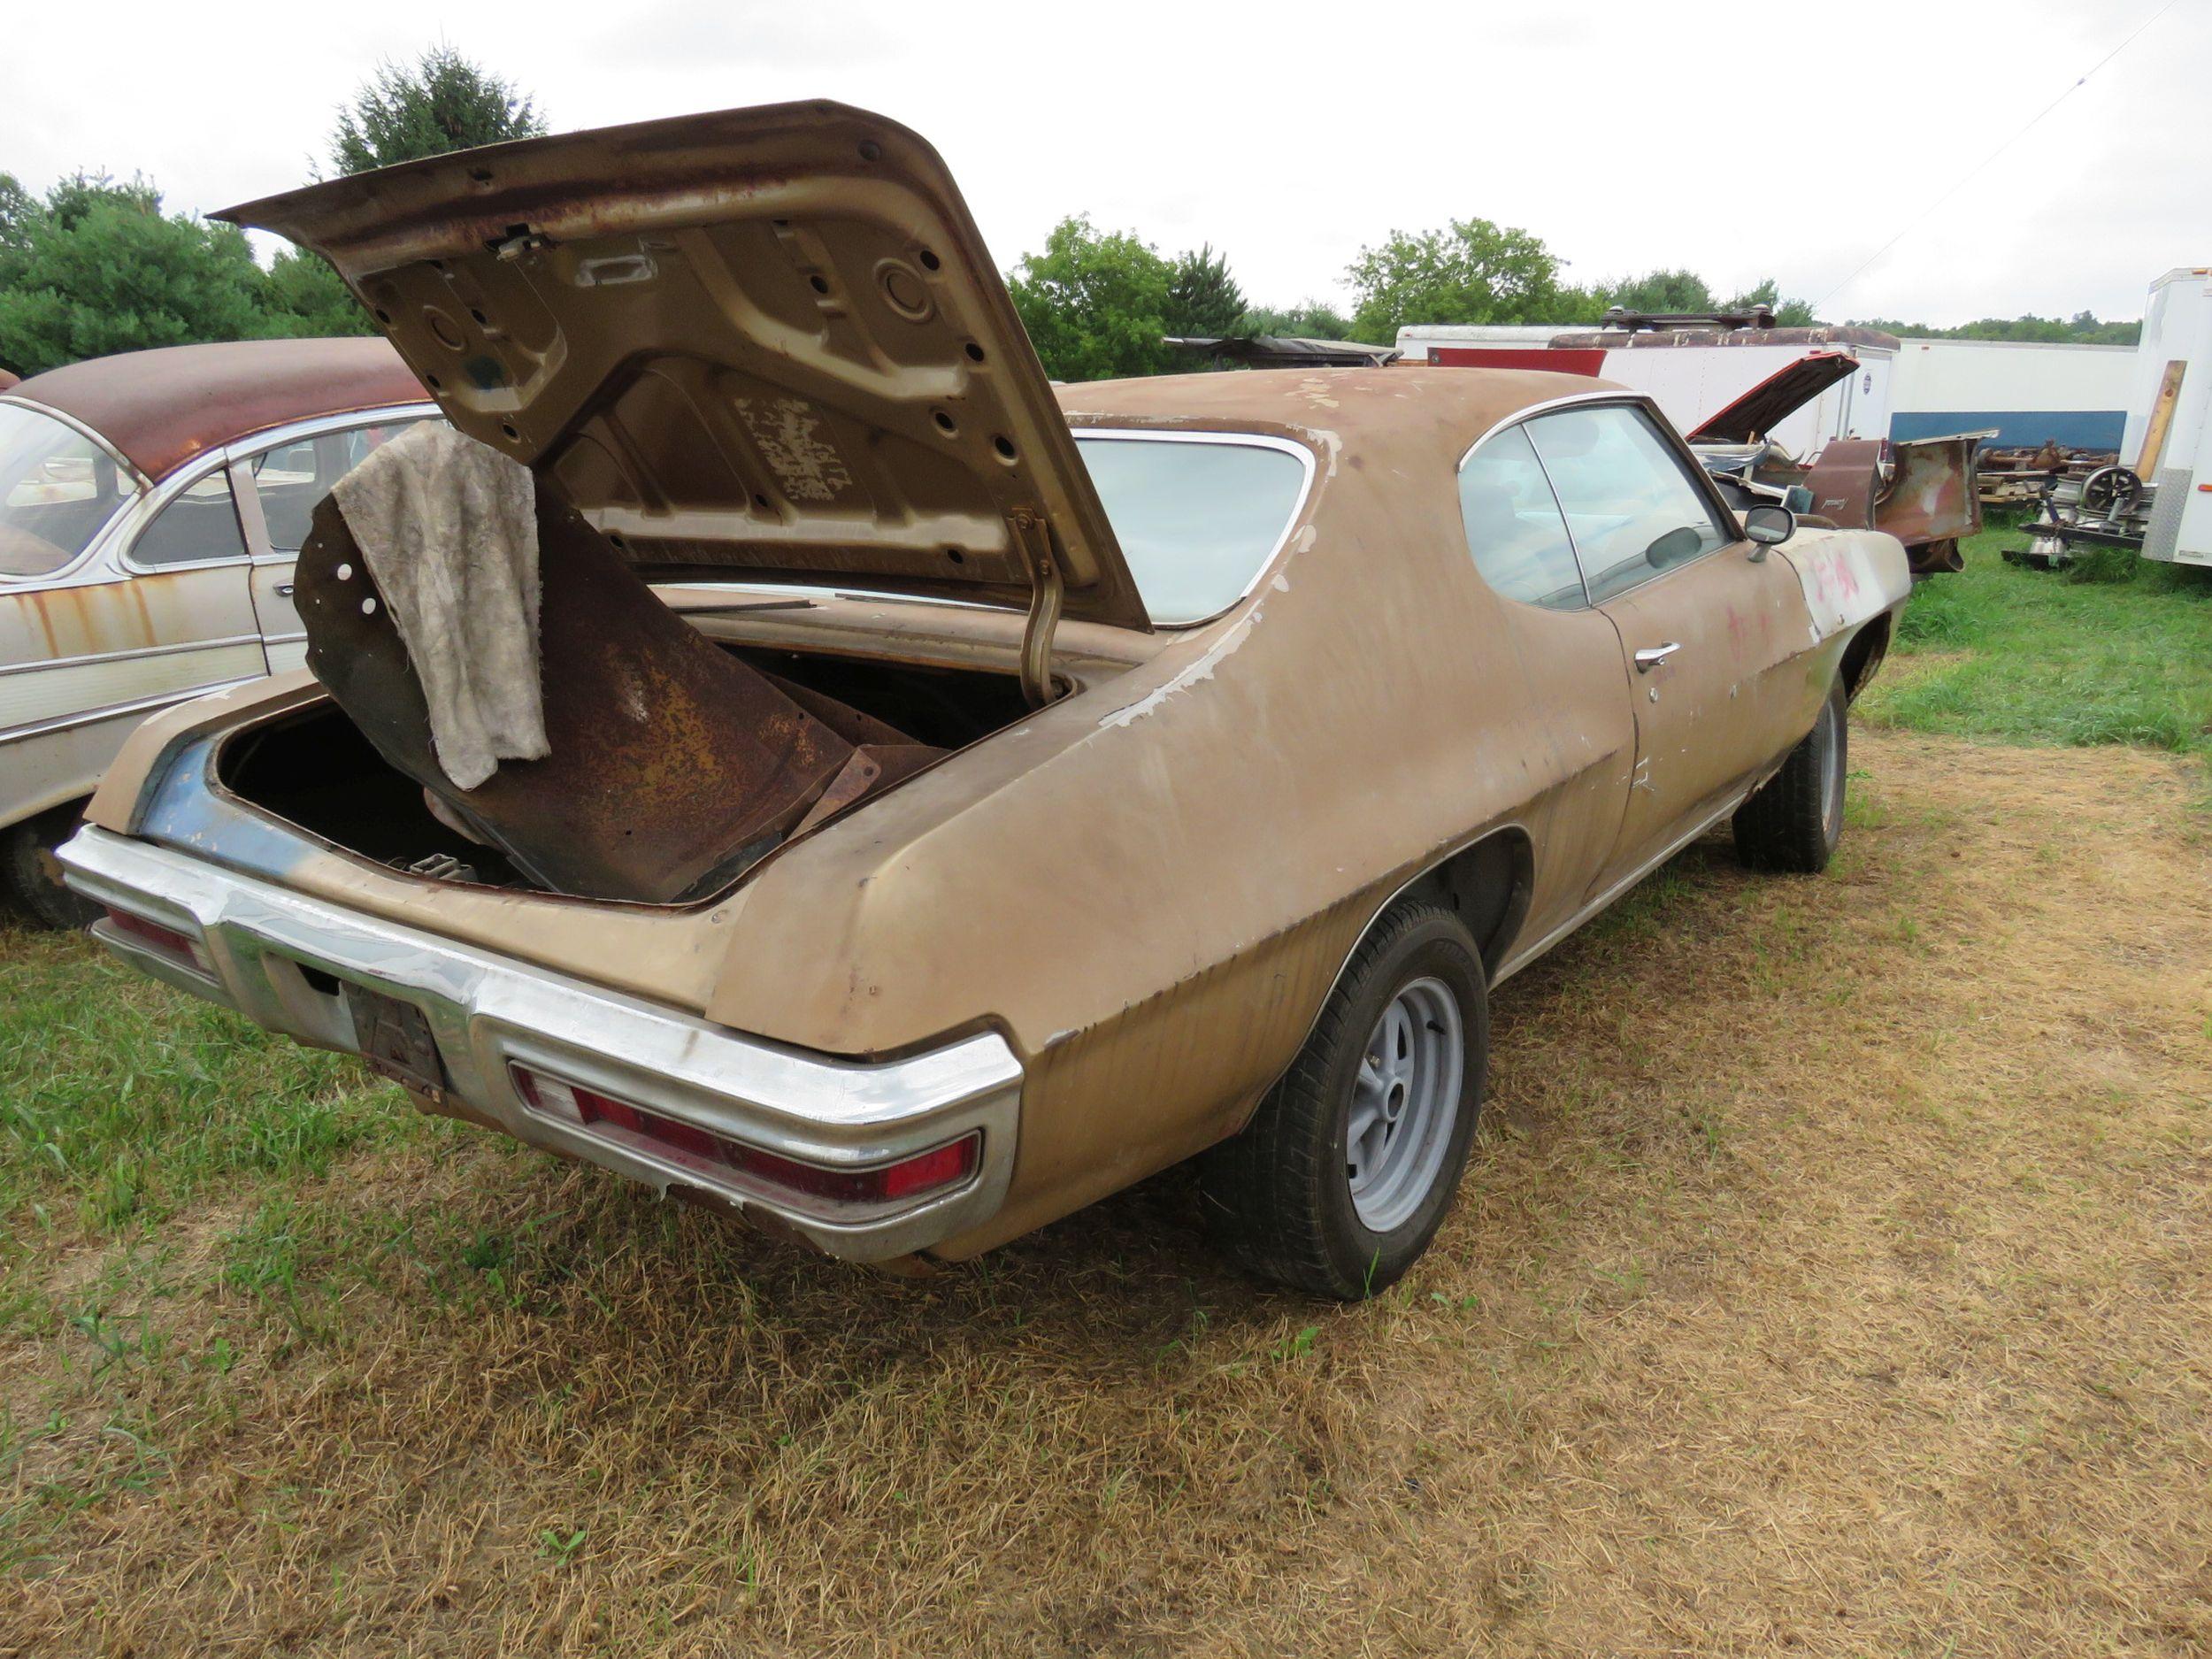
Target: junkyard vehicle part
(1344, 1174)
(671, 764)
(2100, 506)
(1283, 351)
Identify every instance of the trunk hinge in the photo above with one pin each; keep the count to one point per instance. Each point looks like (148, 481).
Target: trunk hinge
(1035, 541)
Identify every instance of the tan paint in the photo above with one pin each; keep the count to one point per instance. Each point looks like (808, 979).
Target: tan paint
(1150, 886)
(721, 338)
(165, 622)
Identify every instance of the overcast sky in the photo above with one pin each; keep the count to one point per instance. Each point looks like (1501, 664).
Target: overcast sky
(1291, 135)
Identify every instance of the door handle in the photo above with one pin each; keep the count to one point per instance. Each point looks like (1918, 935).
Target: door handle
(284, 590)
(1652, 656)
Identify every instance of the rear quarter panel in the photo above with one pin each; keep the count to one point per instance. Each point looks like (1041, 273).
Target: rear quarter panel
(1151, 888)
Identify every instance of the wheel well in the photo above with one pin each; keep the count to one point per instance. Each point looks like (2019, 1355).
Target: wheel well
(1488, 884)
(1864, 654)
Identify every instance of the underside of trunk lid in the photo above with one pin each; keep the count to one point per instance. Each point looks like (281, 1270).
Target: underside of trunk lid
(767, 345)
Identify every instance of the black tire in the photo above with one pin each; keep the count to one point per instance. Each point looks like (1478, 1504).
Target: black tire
(1795, 818)
(30, 876)
(1278, 1195)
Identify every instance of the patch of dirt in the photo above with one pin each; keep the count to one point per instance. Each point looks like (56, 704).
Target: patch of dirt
(1832, 1278)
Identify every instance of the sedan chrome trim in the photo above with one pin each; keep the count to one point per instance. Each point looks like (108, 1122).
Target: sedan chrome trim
(117, 710)
(276, 954)
(136, 650)
(255, 443)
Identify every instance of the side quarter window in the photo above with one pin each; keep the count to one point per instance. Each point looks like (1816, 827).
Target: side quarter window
(1514, 527)
(293, 478)
(1630, 504)
(200, 524)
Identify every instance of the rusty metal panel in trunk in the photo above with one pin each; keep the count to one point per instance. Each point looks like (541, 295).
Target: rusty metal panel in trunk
(672, 765)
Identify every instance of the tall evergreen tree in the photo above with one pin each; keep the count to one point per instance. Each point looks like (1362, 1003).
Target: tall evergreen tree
(441, 102)
(1202, 298)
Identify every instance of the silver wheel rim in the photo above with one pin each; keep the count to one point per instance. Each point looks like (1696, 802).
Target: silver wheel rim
(1832, 776)
(1405, 1101)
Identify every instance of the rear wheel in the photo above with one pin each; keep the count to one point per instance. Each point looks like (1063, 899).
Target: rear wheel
(1344, 1174)
(30, 875)
(1795, 818)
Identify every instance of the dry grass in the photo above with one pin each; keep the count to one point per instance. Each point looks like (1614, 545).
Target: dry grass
(1833, 1276)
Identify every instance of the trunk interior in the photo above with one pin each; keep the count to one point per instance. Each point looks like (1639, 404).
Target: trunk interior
(318, 770)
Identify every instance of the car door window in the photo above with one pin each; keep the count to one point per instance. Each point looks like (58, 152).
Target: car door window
(199, 525)
(57, 490)
(1513, 524)
(1630, 504)
(293, 478)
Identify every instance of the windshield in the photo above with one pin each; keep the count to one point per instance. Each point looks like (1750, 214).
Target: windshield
(57, 488)
(1196, 518)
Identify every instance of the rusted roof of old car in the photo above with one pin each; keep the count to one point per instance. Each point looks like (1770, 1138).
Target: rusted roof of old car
(161, 408)
(1406, 416)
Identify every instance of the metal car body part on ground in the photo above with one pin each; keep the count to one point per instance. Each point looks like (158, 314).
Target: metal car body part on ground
(2157, 500)
(1230, 699)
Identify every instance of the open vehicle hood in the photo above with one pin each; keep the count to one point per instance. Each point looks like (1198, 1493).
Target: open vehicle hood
(1773, 400)
(767, 345)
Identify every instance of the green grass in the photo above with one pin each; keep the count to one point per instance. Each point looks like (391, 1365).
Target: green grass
(123, 1102)
(2112, 650)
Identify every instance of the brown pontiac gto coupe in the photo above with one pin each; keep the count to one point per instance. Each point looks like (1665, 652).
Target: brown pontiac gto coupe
(1002, 792)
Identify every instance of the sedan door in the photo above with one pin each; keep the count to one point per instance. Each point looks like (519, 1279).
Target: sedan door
(279, 487)
(1713, 633)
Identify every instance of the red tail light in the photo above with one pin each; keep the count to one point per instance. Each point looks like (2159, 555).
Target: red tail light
(716, 1155)
(181, 948)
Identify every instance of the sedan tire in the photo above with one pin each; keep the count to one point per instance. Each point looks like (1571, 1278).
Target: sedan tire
(1793, 820)
(30, 875)
(1342, 1177)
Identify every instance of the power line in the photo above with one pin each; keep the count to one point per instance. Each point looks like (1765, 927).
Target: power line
(1969, 177)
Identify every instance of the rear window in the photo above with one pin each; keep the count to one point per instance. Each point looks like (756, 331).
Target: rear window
(57, 489)
(1197, 518)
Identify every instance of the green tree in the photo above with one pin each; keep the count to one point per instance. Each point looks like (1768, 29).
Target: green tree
(21, 217)
(439, 102)
(1202, 298)
(304, 297)
(98, 268)
(1787, 313)
(1659, 291)
(1308, 319)
(1095, 302)
(2082, 328)
(1473, 272)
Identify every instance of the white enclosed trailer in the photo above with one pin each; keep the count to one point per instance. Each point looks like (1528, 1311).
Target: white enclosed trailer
(2026, 392)
(2169, 438)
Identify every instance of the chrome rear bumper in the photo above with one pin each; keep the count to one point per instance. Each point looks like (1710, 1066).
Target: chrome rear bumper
(268, 948)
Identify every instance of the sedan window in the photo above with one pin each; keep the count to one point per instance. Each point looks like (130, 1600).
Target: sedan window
(199, 525)
(57, 489)
(1513, 524)
(293, 478)
(1630, 504)
(1197, 518)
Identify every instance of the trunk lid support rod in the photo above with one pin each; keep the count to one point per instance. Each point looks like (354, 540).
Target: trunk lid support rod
(1047, 593)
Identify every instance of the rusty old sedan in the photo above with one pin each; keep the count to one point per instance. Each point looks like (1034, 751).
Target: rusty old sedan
(1000, 794)
(151, 508)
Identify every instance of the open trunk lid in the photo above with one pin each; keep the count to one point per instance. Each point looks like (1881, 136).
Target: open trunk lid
(1773, 400)
(767, 345)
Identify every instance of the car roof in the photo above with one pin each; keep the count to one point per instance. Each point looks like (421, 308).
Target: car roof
(161, 408)
(1412, 417)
